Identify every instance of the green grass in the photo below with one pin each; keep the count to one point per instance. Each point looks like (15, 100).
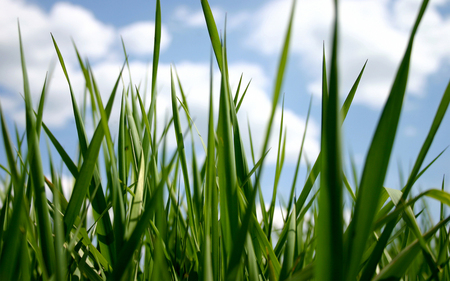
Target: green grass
(144, 229)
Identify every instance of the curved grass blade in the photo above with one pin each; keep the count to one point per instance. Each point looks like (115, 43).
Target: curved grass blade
(213, 34)
(137, 200)
(88, 167)
(397, 268)
(17, 226)
(375, 167)
(40, 111)
(243, 96)
(78, 119)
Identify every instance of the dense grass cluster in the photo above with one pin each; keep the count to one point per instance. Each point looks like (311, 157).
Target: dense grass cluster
(145, 230)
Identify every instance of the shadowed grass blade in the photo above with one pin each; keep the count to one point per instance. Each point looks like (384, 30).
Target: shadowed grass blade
(37, 174)
(317, 165)
(16, 227)
(226, 169)
(329, 259)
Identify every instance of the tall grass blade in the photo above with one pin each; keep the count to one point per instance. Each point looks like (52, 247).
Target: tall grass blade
(182, 155)
(60, 255)
(315, 171)
(288, 258)
(37, 174)
(329, 261)
(87, 169)
(213, 33)
(227, 168)
(376, 165)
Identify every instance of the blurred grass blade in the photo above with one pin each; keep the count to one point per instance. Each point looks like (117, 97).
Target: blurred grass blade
(16, 228)
(37, 174)
(299, 158)
(329, 261)
(288, 258)
(317, 165)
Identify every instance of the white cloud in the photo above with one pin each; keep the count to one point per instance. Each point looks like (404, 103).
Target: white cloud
(410, 131)
(193, 19)
(370, 29)
(255, 108)
(70, 21)
(279, 214)
(94, 39)
(101, 43)
(196, 18)
(139, 37)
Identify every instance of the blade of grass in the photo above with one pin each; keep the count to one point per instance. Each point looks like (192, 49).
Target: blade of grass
(396, 269)
(16, 225)
(87, 169)
(329, 261)
(181, 152)
(297, 167)
(278, 168)
(288, 258)
(376, 165)
(133, 242)
(213, 34)
(60, 255)
(37, 174)
(227, 169)
(251, 200)
(312, 176)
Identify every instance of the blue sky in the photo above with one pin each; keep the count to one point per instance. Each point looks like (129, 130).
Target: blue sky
(373, 30)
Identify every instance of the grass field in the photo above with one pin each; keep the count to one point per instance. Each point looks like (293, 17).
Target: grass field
(159, 214)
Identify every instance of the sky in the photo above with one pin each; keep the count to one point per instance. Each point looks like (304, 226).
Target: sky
(372, 30)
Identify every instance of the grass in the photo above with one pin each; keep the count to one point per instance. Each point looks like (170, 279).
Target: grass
(144, 230)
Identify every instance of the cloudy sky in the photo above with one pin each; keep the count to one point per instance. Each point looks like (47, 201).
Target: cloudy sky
(373, 30)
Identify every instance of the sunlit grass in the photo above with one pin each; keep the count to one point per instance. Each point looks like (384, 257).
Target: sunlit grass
(167, 215)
